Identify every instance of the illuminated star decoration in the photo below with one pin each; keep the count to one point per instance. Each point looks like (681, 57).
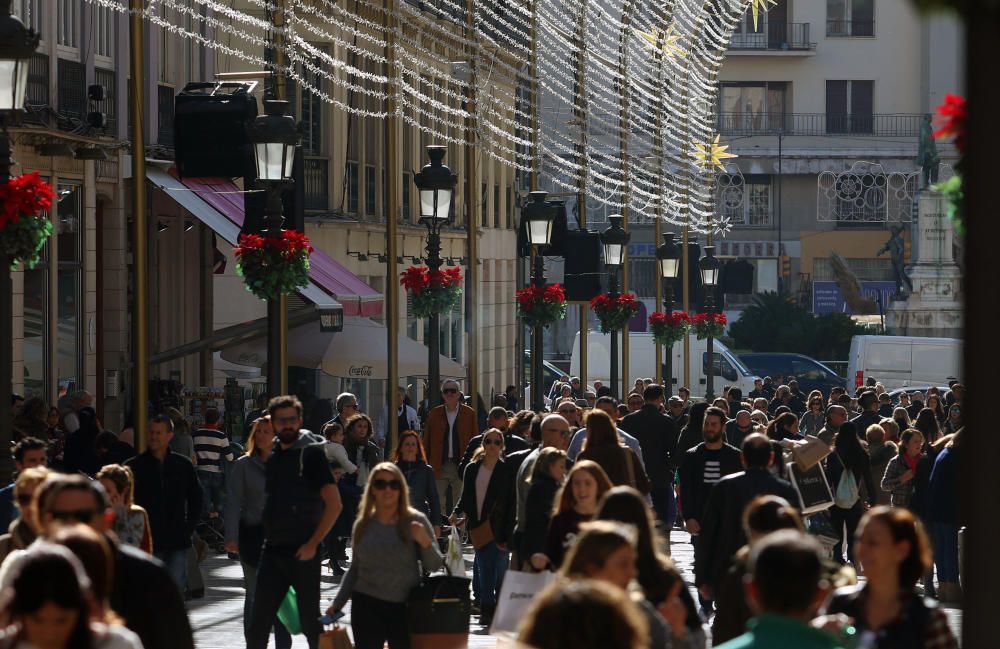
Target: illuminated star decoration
(757, 6)
(665, 40)
(712, 154)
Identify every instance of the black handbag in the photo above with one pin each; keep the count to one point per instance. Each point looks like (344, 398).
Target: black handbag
(438, 611)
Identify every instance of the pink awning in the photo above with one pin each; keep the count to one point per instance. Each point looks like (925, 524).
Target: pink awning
(357, 298)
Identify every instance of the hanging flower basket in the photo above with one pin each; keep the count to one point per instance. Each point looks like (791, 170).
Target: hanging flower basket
(273, 266)
(432, 292)
(24, 222)
(669, 328)
(541, 306)
(709, 324)
(614, 312)
(950, 120)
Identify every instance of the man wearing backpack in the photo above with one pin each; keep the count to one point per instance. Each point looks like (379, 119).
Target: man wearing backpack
(302, 505)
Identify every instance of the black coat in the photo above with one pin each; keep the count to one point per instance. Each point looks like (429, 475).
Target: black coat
(538, 514)
(694, 490)
(171, 495)
(722, 519)
(148, 599)
(862, 474)
(511, 444)
(500, 500)
(658, 440)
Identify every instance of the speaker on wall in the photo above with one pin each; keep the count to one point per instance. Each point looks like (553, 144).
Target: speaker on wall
(582, 270)
(210, 129)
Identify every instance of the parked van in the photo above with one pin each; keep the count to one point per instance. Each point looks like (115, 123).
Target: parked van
(902, 361)
(729, 370)
(809, 372)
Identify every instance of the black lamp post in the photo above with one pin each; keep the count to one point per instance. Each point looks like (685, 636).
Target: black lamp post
(709, 267)
(274, 136)
(668, 258)
(614, 240)
(436, 185)
(17, 44)
(539, 216)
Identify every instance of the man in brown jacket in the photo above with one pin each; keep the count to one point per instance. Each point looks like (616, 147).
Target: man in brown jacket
(447, 432)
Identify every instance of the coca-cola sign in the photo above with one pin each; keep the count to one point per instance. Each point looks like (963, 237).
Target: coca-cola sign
(360, 370)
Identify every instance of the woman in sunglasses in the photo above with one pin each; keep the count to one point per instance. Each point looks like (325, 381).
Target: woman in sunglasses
(813, 420)
(390, 537)
(487, 502)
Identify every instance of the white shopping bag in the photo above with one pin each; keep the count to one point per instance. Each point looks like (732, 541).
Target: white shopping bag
(518, 591)
(454, 563)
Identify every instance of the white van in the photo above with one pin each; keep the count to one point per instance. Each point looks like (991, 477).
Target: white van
(902, 361)
(729, 370)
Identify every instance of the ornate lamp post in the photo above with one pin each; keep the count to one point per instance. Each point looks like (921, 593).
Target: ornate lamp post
(436, 185)
(614, 240)
(274, 137)
(708, 265)
(17, 44)
(539, 216)
(668, 258)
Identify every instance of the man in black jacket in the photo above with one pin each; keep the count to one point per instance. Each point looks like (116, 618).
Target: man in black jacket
(869, 412)
(512, 443)
(167, 487)
(701, 468)
(144, 594)
(658, 440)
(722, 518)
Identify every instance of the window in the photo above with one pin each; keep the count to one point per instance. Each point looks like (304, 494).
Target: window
(351, 191)
(69, 234)
(68, 23)
(849, 106)
(370, 190)
(722, 368)
(30, 13)
(496, 206)
(749, 207)
(865, 269)
(850, 17)
(38, 80)
(405, 197)
(165, 112)
(104, 32)
(72, 88)
(510, 208)
(753, 107)
(312, 111)
(485, 210)
(167, 48)
(109, 106)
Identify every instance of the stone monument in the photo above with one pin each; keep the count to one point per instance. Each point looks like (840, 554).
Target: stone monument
(933, 306)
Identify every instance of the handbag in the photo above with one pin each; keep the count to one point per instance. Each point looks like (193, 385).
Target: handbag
(811, 452)
(518, 591)
(288, 612)
(335, 638)
(438, 611)
(482, 535)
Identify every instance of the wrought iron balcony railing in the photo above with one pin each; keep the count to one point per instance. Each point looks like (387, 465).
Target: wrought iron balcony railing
(792, 124)
(780, 37)
(316, 176)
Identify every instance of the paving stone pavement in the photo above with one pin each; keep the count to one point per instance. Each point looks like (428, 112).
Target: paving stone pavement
(217, 619)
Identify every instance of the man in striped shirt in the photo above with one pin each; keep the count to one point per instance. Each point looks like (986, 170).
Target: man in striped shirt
(212, 448)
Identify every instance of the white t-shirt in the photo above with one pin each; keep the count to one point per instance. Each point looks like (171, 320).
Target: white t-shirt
(106, 637)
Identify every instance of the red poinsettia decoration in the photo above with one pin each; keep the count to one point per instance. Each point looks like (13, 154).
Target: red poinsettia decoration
(24, 223)
(434, 291)
(272, 266)
(614, 312)
(709, 324)
(540, 306)
(951, 117)
(669, 328)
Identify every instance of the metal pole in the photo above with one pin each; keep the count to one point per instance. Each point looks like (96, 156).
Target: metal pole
(6, 331)
(686, 297)
(658, 225)
(538, 279)
(781, 276)
(580, 113)
(624, 127)
(668, 365)
(393, 174)
(140, 249)
(613, 292)
(277, 309)
(472, 270)
(710, 376)
(434, 344)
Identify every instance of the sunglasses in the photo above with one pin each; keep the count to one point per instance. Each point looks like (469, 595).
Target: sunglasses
(380, 484)
(75, 515)
(495, 442)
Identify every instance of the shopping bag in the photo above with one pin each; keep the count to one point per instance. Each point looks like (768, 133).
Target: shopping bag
(335, 638)
(810, 452)
(454, 562)
(288, 613)
(438, 611)
(516, 595)
(812, 487)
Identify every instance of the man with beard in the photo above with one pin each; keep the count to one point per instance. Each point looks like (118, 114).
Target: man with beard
(701, 468)
(302, 505)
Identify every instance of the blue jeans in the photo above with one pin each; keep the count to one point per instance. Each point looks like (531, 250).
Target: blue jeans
(491, 563)
(176, 564)
(282, 638)
(946, 551)
(213, 491)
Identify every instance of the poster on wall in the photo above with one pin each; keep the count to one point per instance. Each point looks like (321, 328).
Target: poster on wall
(827, 297)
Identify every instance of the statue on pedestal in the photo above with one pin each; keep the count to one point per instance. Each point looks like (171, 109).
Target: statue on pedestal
(927, 153)
(895, 247)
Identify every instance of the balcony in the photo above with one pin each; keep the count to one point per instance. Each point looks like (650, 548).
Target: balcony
(776, 37)
(821, 124)
(316, 179)
(850, 28)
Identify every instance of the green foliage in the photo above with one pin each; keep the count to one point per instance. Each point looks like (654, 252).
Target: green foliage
(775, 323)
(23, 240)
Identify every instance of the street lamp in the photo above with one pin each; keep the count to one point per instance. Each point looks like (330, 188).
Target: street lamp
(17, 45)
(668, 258)
(708, 265)
(436, 185)
(538, 215)
(274, 137)
(614, 239)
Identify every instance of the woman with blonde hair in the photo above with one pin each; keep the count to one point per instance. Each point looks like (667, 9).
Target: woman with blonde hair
(24, 530)
(131, 521)
(393, 543)
(576, 503)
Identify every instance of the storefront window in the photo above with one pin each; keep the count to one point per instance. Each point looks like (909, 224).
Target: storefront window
(35, 301)
(69, 304)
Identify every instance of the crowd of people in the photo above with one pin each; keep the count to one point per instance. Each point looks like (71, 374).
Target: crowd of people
(103, 542)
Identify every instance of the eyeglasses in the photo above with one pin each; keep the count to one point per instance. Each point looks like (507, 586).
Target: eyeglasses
(351, 405)
(75, 515)
(495, 442)
(449, 391)
(380, 484)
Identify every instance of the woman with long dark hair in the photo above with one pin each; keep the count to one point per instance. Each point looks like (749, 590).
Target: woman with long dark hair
(691, 435)
(848, 463)
(893, 549)
(604, 446)
(927, 423)
(784, 426)
(411, 459)
(813, 419)
(933, 403)
(547, 476)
